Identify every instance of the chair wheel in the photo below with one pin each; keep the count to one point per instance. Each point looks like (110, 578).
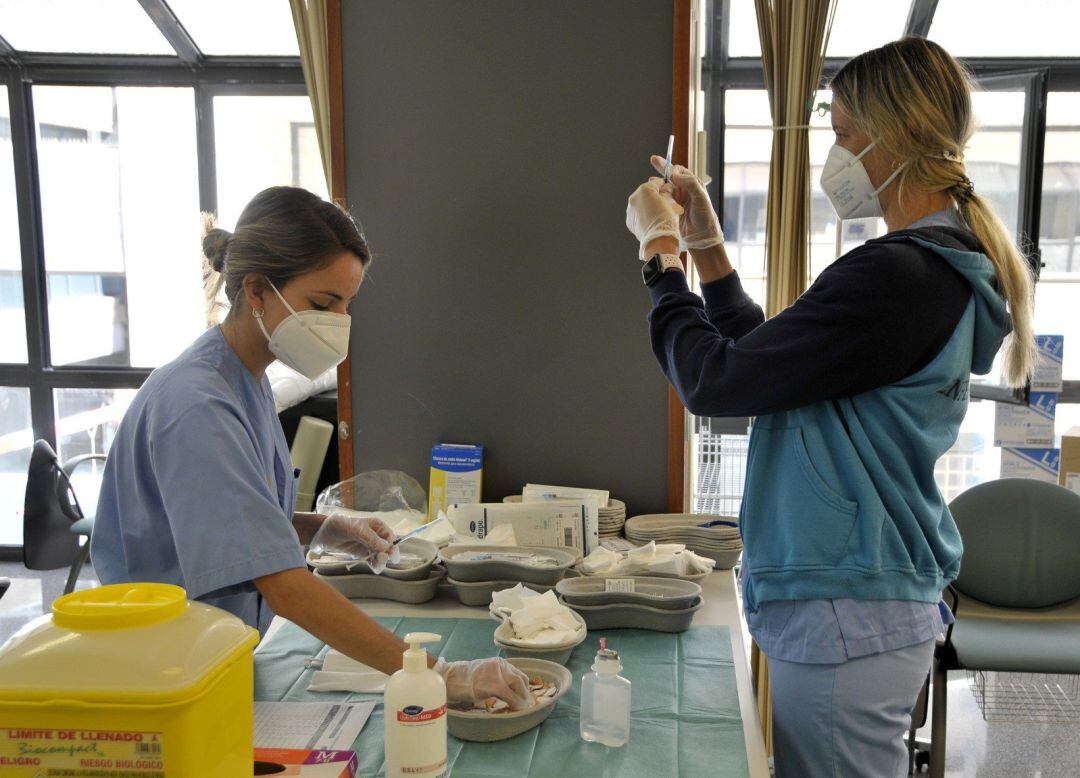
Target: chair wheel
(922, 759)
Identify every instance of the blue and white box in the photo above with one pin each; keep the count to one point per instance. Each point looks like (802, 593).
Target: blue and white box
(1047, 375)
(1030, 426)
(457, 473)
(1042, 464)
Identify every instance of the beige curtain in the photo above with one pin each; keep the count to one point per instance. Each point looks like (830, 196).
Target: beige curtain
(309, 18)
(794, 35)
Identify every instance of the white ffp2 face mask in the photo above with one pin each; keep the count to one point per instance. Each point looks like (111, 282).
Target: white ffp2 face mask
(310, 342)
(847, 184)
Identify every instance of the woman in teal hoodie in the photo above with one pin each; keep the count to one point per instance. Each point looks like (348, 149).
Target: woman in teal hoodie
(858, 388)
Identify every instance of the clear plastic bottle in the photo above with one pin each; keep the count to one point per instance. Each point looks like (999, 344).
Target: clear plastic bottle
(605, 701)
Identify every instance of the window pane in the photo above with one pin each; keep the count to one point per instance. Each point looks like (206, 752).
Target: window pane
(993, 155)
(86, 423)
(974, 458)
(16, 442)
(860, 26)
(1060, 223)
(1056, 303)
(121, 223)
(747, 150)
(81, 27)
(1005, 28)
(12, 318)
(743, 40)
(263, 141)
(857, 27)
(239, 27)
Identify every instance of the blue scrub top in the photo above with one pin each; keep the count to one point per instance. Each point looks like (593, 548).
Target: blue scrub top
(198, 488)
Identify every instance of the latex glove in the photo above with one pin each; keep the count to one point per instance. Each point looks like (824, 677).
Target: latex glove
(699, 227)
(652, 213)
(363, 538)
(474, 680)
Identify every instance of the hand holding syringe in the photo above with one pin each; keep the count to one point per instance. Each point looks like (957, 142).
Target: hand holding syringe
(362, 540)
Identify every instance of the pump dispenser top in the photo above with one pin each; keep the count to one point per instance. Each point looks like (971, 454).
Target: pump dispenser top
(415, 658)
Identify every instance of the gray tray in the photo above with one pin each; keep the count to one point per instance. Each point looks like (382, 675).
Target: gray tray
(559, 656)
(696, 577)
(416, 546)
(377, 587)
(499, 570)
(662, 593)
(627, 616)
(479, 592)
(483, 727)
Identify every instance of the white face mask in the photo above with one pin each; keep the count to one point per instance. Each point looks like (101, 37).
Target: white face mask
(310, 342)
(847, 185)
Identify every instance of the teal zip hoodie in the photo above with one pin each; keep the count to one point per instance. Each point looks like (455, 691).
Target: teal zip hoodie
(840, 498)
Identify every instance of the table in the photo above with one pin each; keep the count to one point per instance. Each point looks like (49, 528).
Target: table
(721, 609)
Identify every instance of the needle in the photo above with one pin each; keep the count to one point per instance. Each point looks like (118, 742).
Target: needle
(667, 163)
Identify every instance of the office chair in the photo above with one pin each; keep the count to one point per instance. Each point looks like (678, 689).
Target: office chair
(54, 525)
(1017, 600)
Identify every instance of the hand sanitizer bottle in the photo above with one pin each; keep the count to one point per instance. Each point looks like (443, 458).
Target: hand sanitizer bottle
(414, 711)
(605, 700)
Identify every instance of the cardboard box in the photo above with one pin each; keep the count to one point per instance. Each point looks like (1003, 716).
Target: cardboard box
(1017, 426)
(305, 763)
(1042, 464)
(457, 471)
(1069, 476)
(549, 523)
(1047, 375)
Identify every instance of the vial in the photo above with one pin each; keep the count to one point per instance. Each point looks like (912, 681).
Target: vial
(605, 700)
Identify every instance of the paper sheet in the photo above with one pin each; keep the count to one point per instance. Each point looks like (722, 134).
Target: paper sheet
(315, 726)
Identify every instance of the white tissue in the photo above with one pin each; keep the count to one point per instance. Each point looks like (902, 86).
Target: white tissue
(361, 683)
(543, 621)
(668, 558)
(341, 674)
(600, 561)
(512, 599)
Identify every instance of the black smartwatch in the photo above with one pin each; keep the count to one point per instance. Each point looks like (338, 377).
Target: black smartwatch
(657, 266)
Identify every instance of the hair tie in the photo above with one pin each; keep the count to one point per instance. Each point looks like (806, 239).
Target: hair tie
(965, 189)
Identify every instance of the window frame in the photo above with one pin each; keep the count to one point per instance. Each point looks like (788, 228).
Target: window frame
(20, 72)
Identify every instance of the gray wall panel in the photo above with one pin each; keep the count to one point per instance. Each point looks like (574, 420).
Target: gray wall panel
(490, 149)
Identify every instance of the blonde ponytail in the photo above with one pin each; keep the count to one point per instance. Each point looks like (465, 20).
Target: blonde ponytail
(915, 100)
(1015, 283)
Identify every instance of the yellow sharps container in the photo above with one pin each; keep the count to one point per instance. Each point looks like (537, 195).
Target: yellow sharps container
(131, 681)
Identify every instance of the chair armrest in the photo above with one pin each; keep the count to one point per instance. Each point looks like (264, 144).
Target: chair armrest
(69, 466)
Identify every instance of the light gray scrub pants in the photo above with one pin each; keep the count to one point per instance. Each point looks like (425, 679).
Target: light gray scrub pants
(849, 719)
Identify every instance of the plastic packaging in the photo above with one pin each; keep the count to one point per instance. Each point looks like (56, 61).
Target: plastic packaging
(128, 679)
(605, 701)
(414, 715)
(377, 491)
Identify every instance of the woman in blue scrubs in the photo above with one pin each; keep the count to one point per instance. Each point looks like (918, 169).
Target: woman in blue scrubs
(858, 389)
(199, 488)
